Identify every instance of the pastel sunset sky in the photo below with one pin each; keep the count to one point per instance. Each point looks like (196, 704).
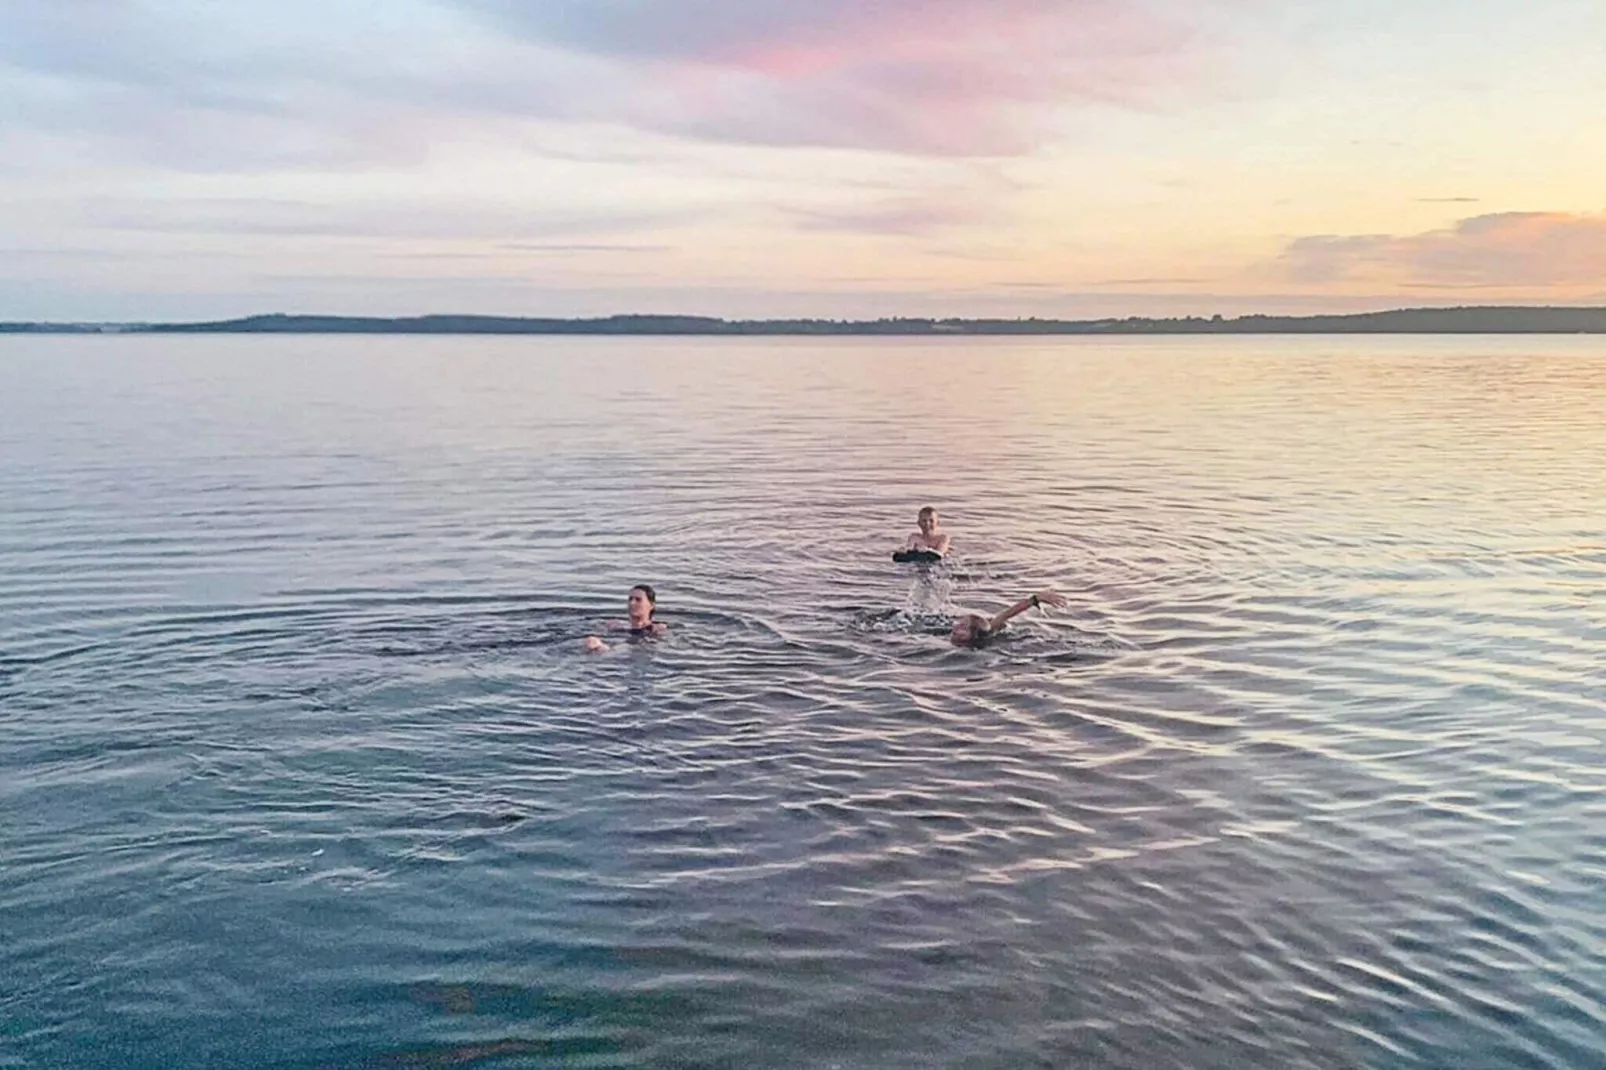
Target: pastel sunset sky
(756, 158)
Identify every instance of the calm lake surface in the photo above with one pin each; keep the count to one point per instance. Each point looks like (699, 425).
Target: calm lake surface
(300, 765)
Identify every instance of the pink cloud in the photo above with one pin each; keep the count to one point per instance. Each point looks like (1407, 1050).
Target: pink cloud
(206, 86)
(945, 77)
(1503, 250)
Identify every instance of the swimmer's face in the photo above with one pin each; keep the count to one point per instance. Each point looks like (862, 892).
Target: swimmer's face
(640, 605)
(927, 521)
(968, 630)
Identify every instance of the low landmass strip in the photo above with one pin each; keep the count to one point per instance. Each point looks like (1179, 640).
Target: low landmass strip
(1473, 320)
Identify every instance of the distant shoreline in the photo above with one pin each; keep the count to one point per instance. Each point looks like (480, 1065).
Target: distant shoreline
(1465, 320)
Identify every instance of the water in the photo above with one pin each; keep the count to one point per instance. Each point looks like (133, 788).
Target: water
(300, 766)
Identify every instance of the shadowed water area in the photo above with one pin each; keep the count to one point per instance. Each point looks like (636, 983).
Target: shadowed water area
(300, 765)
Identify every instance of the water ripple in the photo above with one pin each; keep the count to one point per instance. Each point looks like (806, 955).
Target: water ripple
(301, 765)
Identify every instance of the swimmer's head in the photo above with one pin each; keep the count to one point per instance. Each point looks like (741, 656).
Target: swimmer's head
(927, 519)
(643, 602)
(970, 630)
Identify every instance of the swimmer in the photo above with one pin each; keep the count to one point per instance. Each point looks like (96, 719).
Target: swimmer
(641, 607)
(930, 537)
(976, 631)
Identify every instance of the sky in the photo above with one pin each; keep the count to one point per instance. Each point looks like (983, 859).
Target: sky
(189, 159)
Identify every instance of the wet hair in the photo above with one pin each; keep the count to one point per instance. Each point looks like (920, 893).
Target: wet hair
(652, 598)
(926, 512)
(980, 633)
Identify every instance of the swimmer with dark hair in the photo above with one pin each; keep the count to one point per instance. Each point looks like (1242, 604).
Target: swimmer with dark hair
(641, 607)
(930, 543)
(975, 631)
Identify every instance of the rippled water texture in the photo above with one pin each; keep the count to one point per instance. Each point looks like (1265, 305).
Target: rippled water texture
(300, 765)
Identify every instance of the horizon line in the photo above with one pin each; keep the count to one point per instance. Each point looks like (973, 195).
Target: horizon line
(1416, 319)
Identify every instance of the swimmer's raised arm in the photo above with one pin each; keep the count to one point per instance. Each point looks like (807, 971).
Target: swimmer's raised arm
(975, 630)
(1041, 598)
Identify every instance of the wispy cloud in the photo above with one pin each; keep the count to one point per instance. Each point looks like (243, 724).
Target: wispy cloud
(943, 77)
(1502, 250)
(1148, 282)
(199, 85)
(531, 247)
(301, 219)
(902, 217)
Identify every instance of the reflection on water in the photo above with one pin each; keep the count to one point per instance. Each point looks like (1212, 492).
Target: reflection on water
(300, 766)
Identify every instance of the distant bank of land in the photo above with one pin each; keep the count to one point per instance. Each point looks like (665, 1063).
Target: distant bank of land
(1476, 320)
